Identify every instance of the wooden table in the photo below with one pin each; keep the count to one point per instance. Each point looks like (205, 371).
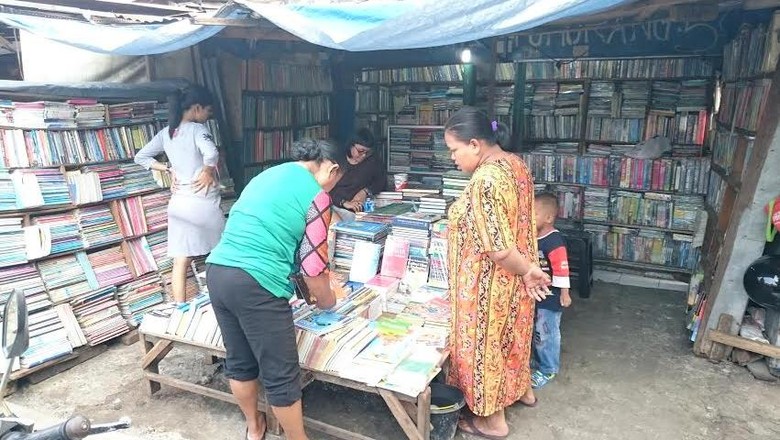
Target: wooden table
(412, 413)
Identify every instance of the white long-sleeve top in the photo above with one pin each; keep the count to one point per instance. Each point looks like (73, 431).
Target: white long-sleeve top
(191, 148)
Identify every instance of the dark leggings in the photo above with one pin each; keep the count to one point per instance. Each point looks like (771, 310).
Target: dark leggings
(258, 331)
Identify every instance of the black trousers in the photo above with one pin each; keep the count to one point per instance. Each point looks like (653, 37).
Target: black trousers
(258, 332)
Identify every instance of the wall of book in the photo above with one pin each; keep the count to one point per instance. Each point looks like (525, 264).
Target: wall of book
(83, 229)
(496, 95)
(425, 95)
(580, 119)
(748, 63)
(281, 103)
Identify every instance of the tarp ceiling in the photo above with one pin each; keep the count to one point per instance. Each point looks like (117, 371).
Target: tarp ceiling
(351, 26)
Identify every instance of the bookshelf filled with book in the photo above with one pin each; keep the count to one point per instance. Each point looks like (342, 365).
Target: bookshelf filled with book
(581, 117)
(83, 228)
(749, 60)
(281, 103)
(425, 96)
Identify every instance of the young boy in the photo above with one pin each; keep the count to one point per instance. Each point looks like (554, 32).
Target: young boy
(554, 261)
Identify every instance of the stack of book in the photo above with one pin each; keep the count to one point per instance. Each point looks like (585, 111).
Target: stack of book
(84, 187)
(48, 339)
(13, 248)
(415, 227)
(454, 182)
(350, 233)
(110, 266)
(65, 233)
(98, 226)
(111, 180)
(98, 315)
(89, 113)
(7, 192)
(68, 276)
(26, 278)
(155, 209)
(139, 297)
(140, 256)
(435, 204)
(130, 217)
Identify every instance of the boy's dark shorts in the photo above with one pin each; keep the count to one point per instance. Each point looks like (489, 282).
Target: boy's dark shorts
(258, 332)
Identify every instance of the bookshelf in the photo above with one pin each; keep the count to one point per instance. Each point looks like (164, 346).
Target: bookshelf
(579, 118)
(83, 229)
(281, 103)
(418, 150)
(748, 62)
(424, 96)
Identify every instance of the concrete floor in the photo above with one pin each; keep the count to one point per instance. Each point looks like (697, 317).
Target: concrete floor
(628, 373)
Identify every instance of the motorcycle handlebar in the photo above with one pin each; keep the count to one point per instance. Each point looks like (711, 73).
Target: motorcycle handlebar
(75, 428)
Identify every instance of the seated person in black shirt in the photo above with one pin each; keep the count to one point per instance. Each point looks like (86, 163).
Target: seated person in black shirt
(364, 176)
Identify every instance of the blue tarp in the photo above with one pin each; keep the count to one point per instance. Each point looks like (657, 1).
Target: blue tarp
(412, 24)
(136, 39)
(352, 26)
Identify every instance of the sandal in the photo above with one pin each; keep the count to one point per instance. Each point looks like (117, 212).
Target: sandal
(246, 436)
(473, 430)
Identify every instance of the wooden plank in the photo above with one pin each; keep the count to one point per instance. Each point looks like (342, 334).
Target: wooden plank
(718, 352)
(743, 343)
(210, 349)
(256, 33)
(334, 431)
(83, 354)
(156, 354)
(130, 338)
(424, 414)
(201, 390)
(408, 426)
(24, 372)
(335, 380)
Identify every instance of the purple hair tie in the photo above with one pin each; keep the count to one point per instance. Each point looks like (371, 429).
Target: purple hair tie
(494, 125)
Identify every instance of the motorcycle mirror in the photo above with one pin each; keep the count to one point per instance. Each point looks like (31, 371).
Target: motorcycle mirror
(16, 336)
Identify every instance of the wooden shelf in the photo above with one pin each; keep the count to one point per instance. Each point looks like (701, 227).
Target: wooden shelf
(287, 127)
(100, 127)
(766, 75)
(44, 210)
(729, 178)
(72, 165)
(412, 83)
(582, 80)
(284, 94)
(617, 188)
(737, 130)
(642, 266)
(266, 162)
(629, 226)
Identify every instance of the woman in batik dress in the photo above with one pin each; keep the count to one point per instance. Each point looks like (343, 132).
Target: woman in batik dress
(494, 272)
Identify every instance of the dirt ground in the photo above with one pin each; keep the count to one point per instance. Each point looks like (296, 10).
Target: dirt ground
(628, 373)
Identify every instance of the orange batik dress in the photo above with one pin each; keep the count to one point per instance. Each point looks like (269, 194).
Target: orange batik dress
(492, 317)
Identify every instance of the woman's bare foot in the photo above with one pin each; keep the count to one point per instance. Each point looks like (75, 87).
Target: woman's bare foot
(492, 426)
(528, 399)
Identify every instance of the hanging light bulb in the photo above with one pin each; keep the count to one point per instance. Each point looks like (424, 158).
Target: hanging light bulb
(465, 55)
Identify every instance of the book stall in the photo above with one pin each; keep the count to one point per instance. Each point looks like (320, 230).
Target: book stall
(387, 334)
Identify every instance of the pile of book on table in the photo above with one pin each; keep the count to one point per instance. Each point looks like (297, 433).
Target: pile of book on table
(355, 340)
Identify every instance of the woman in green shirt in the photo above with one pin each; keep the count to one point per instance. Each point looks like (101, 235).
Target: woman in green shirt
(277, 228)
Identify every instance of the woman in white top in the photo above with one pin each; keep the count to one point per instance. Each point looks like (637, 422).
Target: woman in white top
(195, 220)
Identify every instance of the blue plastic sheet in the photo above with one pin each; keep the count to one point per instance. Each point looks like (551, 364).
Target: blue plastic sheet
(351, 26)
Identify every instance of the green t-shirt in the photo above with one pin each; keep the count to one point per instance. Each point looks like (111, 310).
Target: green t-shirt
(267, 223)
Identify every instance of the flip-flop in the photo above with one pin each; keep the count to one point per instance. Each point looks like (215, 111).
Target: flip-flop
(529, 405)
(473, 430)
(246, 436)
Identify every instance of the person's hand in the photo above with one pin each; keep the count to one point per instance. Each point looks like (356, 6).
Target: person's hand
(174, 181)
(360, 197)
(536, 282)
(205, 180)
(565, 299)
(353, 206)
